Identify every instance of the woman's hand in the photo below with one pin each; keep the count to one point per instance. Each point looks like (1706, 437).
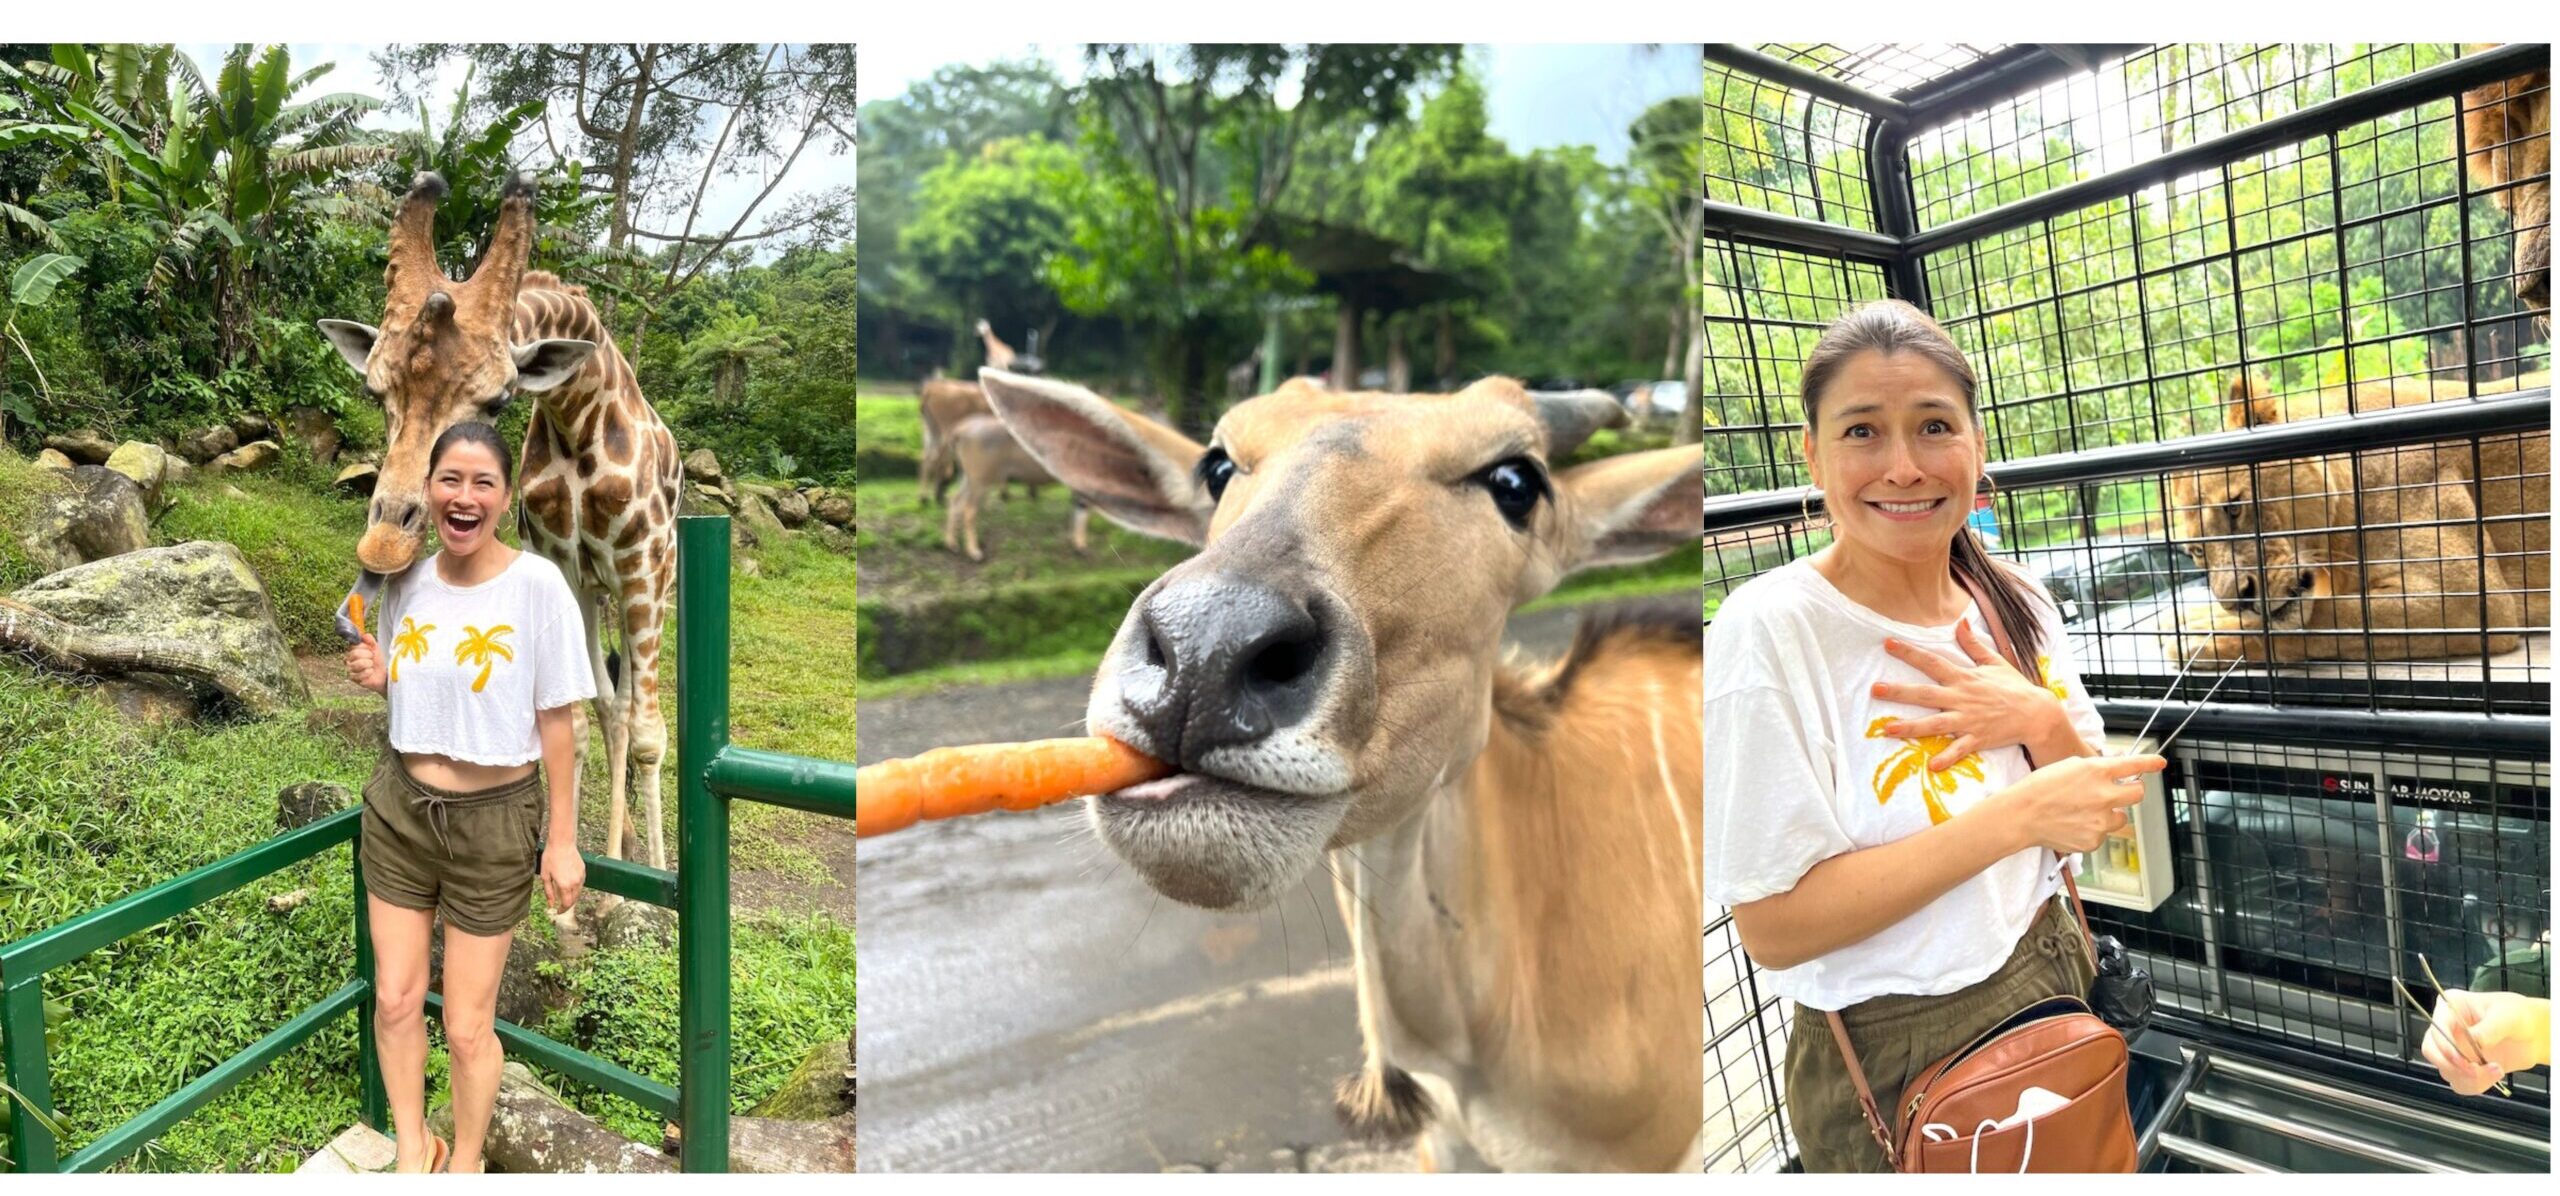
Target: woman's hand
(564, 875)
(2510, 1032)
(1984, 703)
(2073, 804)
(364, 664)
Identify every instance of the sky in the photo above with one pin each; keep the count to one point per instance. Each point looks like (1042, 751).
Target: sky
(1539, 96)
(355, 72)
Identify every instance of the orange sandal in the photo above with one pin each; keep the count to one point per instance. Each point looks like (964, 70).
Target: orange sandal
(439, 1152)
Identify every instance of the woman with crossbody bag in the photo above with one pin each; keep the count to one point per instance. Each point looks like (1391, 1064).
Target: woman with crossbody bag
(1890, 803)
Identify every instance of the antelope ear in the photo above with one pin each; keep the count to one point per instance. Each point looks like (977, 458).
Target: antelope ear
(1632, 507)
(354, 341)
(548, 363)
(1571, 416)
(1131, 468)
(2247, 406)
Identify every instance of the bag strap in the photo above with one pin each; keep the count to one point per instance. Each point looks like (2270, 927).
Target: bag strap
(1866, 1096)
(2009, 652)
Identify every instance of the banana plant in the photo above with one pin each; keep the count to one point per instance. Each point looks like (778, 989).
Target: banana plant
(32, 284)
(215, 167)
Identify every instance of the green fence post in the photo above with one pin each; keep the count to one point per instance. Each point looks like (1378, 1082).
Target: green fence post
(372, 1104)
(702, 839)
(23, 1063)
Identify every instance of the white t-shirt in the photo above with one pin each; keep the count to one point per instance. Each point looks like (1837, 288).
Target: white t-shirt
(469, 665)
(1794, 777)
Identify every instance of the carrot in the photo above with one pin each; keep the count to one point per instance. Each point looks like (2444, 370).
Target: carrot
(355, 610)
(956, 781)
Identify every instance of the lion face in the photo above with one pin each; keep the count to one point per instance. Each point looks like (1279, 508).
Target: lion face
(2506, 128)
(2244, 531)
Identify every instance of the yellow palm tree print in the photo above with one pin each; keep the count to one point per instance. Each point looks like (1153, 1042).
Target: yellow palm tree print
(482, 648)
(1913, 761)
(410, 643)
(2044, 669)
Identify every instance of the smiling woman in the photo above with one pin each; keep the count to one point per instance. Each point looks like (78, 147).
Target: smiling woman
(1887, 797)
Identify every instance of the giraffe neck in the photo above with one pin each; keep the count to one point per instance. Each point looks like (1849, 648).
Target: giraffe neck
(546, 312)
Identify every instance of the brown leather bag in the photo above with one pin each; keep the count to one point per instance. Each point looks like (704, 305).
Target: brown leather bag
(1951, 1111)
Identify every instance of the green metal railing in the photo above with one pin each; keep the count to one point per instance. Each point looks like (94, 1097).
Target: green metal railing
(711, 771)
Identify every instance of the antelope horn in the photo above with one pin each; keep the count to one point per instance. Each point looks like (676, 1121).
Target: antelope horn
(510, 247)
(413, 271)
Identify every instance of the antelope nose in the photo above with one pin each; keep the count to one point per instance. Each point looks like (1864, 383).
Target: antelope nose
(1222, 662)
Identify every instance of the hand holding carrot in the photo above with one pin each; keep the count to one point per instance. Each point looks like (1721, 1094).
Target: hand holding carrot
(957, 781)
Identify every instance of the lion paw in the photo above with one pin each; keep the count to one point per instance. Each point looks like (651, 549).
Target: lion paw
(2216, 633)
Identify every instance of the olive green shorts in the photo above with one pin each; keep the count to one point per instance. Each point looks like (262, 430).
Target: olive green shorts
(1898, 1037)
(472, 857)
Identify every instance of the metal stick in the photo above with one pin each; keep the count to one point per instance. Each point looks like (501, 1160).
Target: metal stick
(2227, 669)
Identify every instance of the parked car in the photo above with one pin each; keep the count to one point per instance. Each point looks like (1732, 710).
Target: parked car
(2091, 579)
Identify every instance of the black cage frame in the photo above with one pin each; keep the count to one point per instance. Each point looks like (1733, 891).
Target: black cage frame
(1849, 228)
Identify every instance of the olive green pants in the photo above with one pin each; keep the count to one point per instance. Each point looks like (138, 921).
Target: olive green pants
(472, 857)
(1898, 1037)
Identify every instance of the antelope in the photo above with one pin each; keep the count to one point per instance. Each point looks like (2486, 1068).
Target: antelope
(941, 404)
(989, 457)
(1514, 849)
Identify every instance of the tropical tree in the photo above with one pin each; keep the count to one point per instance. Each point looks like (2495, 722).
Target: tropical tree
(1666, 154)
(658, 123)
(985, 228)
(727, 348)
(1191, 152)
(216, 169)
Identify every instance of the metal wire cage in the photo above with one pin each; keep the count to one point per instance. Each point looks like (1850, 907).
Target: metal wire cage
(2263, 361)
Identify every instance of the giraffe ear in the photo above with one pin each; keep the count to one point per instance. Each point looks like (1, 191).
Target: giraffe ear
(548, 363)
(353, 340)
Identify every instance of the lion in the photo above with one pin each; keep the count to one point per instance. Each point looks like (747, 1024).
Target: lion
(2341, 549)
(2506, 134)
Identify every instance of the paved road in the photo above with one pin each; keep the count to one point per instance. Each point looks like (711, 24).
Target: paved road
(1029, 1005)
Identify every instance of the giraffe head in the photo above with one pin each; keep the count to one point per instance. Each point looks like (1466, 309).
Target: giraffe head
(442, 355)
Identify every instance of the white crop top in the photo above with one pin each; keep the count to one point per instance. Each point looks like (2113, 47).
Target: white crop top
(469, 665)
(1798, 771)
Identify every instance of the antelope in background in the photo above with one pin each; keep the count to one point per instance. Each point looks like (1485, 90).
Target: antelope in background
(1514, 849)
(989, 457)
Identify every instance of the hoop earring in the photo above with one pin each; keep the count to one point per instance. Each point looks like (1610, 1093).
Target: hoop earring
(1991, 488)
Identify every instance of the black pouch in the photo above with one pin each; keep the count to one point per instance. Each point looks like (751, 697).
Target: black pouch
(2122, 996)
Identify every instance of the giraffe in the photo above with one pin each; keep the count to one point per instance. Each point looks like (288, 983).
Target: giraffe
(597, 482)
(999, 354)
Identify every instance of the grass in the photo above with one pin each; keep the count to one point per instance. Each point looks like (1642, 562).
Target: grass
(92, 809)
(301, 543)
(788, 980)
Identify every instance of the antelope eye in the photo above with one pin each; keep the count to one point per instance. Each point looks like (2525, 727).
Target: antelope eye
(1516, 485)
(1215, 469)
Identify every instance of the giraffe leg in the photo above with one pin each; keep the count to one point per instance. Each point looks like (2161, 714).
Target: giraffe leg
(608, 713)
(647, 730)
